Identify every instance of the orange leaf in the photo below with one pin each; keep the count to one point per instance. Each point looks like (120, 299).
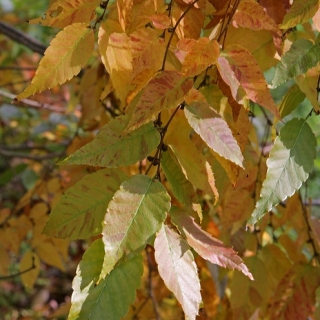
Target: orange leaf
(249, 75)
(64, 13)
(202, 55)
(166, 90)
(124, 8)
(250, 14)
(160, 21)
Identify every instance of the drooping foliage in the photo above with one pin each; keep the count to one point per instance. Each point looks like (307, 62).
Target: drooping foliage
(196, 130)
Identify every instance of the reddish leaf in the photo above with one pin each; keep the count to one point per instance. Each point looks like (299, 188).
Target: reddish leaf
(248, 73)
(202, 54)
(161, 21)
(207, 246)
(178, 270)
(166, 90)
(250, 14)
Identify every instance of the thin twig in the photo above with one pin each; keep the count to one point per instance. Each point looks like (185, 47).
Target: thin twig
(150, 287)
(33, 266)
(13, 154)
(31, 103)
(22, 38)
(173, 30)
(17, 68)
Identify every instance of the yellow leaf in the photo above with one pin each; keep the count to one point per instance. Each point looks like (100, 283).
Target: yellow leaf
(66, 12)
(124, 9)
(5, 261)
(117, 57)
(68, 53)
(28, 260)
(49, 254)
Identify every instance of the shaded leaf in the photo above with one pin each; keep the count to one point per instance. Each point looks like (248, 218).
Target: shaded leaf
(291, 100)
(69, 51)
(80, 211)
(298, 301)
(202, 54)
(289, 164)
(110, 149)
(213, 130)
(250, 14)
(112, 296)
(181, 187)
(248, 73)
(301, 56)
(64, 13)
(207, 246)
(29, 278)
(166, 90)
(300, 12)
(135, 213)
(178, 270)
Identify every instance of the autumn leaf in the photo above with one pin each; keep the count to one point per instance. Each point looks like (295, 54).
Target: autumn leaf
(79, 212)
(250, 77)
(166, 90)
(300, 12)
(301, 56)
(201, 55)
(135, 213)
(64, 13)
(289, 164)
(68, 52)
(250, 14)
(207, 246)
(178, 270)
(161, 21)
(214, 131)
(110, 149)
(29, 260)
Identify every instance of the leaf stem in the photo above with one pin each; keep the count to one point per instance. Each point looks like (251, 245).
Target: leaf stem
(33, 266)
(173, 30)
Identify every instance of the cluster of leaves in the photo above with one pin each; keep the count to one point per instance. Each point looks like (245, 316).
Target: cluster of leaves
(175, 89)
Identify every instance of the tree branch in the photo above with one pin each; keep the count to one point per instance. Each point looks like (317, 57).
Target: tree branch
(22, 38)
(13, 154)
(33, 266)
(31, 103)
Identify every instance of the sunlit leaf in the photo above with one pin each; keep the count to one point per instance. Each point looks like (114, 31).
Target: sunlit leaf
(301, 56)
(250, 14)
(202, 54)
(161, 21)
(69, 51)
(64, 13)
(135, 213)
(80, 211)
(207, 246)
(289, 164)
(214, 131)
(166, 90)
(112, 296)
(29, 277)
(110, 149)
(300, 12)
(250, 77)
(178, 270)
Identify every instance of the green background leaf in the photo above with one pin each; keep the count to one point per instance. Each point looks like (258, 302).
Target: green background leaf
(290, 162)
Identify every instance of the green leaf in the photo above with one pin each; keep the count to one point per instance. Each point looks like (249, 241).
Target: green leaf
(214, 131)
(111, 298)
(88, 272)
(68, 52)
(135, 213)
(207, 246)
(79, 212)
(110, 149)
(289, 164)
(178, 270)
(300, 12)
(181, 187)
(291, 100)
(301, 56)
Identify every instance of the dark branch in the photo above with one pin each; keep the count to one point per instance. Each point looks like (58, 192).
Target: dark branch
(11, 276)
(22, 38)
